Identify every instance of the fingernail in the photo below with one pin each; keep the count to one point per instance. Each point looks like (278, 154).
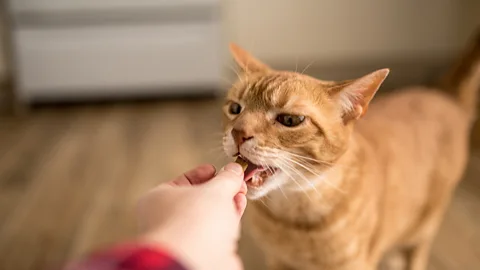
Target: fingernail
(233, 167)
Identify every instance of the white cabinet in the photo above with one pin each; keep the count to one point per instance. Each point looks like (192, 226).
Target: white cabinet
(79, 5)
(87, 49)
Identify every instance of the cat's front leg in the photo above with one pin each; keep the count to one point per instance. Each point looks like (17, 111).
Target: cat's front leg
(273, 264)
(418, 256)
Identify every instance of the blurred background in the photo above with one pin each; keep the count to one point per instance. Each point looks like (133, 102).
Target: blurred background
(101, 100)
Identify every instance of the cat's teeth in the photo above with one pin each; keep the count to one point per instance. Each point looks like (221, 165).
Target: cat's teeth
(255, 179)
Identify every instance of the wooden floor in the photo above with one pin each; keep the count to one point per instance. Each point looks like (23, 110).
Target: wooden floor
(70, 177)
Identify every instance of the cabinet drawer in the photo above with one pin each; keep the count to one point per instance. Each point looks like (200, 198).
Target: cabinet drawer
(116, 59)
(97, 5)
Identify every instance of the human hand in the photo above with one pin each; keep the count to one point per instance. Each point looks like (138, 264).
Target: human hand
(197, 217)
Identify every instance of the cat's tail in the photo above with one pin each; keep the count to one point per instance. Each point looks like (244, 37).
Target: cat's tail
(463, 80)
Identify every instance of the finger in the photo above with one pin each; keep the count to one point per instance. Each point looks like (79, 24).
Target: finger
(199, 175)
(228, 180)
(240, 203)
(237, 263)
(243, 188)
(240, 200)
(231, 262)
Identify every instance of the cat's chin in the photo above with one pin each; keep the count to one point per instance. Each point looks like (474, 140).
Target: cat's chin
(259, 178)
(270, 183)
(255, 194)
(258, 185)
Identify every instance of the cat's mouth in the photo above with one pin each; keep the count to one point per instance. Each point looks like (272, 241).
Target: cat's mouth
(255, 175)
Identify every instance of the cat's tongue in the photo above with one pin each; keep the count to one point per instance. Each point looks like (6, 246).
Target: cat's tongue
(251, 170)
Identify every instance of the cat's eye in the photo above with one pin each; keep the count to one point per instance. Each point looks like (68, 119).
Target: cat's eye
(235, 108)
(289, 120)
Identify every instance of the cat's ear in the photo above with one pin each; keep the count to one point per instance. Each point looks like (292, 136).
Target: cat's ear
(246, 61)
(354, 96)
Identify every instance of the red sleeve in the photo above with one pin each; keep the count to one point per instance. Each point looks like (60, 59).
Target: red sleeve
(129, 257)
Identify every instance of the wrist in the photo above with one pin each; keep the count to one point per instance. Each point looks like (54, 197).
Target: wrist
(179, 247)
(130, 255)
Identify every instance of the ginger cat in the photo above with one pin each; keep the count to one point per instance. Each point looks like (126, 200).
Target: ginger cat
(334, 188)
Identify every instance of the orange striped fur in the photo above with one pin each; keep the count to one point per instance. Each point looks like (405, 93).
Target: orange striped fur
(352, 185)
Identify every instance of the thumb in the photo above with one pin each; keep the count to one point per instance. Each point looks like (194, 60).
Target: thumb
(229, 179)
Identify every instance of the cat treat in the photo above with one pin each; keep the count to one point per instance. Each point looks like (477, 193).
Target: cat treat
(242, 162)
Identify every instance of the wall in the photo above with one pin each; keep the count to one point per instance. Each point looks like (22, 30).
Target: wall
(283, 31)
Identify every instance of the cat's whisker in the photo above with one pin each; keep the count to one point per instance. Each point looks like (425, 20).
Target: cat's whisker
(282, 166)
(236, 72)
(283, 192)
(309, 182)
(280, 152)
(268, 207)
(268, 167)
(266, 152)
(301, 175)
(295, 158)
(326, 166)
(234, 86)
(296, 64)
(283, 162)
(315, 173)
(318, 175)
(305, 69)
(306, 160)
(309, 158)
(263, 164)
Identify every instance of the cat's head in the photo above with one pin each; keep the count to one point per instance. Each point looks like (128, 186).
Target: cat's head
(290, 127)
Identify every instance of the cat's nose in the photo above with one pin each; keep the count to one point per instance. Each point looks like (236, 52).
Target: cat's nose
(240, 136)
